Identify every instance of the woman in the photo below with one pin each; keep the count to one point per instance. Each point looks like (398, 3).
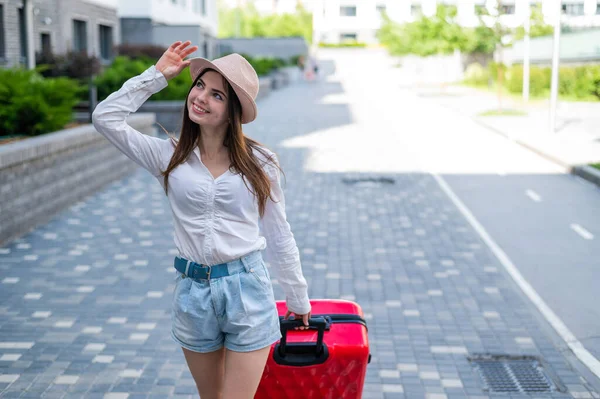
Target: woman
(220, 185)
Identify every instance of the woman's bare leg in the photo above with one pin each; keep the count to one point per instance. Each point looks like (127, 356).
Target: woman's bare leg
(208, 370)
(243, 372)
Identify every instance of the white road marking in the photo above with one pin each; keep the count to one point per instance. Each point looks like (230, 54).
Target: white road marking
(577, 347)
(533, 195)
(582, 232)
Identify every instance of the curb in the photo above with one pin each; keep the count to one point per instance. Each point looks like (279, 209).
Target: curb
(585, 172)
(588, 173)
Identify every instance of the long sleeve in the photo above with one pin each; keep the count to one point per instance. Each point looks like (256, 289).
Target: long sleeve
(282, 251)
(109, 118)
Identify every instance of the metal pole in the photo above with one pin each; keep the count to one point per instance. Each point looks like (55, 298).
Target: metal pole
(30, 43)
(555, 66)
(526, 54)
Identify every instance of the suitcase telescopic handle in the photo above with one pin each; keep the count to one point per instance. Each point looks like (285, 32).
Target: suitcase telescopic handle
(319, 322)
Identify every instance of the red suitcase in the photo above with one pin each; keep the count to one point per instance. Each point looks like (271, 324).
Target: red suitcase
(327, 361)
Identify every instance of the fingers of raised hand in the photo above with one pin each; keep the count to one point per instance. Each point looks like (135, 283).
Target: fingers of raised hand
(189, 51)
(183, 45)
(174, 45)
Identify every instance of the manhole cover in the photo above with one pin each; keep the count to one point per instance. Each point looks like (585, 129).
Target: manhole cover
(524, 374)
(368, 181)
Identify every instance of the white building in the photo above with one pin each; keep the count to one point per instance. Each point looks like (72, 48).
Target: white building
(162, 22)
(272, 6)
(338, 20)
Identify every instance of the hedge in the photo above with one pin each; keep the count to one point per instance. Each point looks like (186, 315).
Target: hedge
(31, 104)
(343, 44)
(123, 68)
(580, 82)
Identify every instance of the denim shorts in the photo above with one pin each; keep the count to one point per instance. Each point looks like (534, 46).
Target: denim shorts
(236, 311)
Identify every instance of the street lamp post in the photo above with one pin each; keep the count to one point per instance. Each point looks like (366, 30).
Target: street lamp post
(555, 66)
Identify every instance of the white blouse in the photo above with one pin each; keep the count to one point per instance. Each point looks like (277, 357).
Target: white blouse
(216, 220)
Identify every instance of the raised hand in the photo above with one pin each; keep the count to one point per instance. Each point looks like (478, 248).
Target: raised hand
(171, 63)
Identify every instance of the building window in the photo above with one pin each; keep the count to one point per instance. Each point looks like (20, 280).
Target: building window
(507, 9)
(573, 8)
(381, 8)
(344, 37)
(199, 6)
(106, 41)
(79, 35)
(46, 44)
(2, 49)
(22, 36)
(416, 10)
(348, 11)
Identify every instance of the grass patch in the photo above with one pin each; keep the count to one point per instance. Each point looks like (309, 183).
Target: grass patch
(595, 165)
(503, 112)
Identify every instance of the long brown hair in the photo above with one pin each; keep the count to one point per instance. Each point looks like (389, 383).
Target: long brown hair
(241, 155)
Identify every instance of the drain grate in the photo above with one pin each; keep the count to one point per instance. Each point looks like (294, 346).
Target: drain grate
(524, 374)
(368, 180)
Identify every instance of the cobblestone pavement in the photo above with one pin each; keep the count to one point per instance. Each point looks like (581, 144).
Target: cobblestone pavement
(85, 299)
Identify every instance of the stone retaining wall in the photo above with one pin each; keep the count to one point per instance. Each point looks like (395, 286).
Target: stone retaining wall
(43, 175)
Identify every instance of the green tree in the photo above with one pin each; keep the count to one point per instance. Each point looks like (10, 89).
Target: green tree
(438, 34)
(248, 22)
(499, 36)
(538, 27)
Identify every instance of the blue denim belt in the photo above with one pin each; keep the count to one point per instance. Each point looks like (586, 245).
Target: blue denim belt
(201, 272)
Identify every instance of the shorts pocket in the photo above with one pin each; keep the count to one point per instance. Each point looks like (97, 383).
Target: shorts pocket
(178, 277)
(260, 273)
(181, 294)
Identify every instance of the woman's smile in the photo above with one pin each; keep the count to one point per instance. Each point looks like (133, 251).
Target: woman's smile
(199, 110)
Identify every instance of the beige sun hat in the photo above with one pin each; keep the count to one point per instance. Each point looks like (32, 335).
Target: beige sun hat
(241, 76)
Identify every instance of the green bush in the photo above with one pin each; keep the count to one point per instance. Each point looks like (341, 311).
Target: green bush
(124, 68)
(263, 65)
(580, 82)
(294, 60)
(493, 71)
(75, 65)
(539, 80)
(477, 75)
(31, 104)
(586, 81)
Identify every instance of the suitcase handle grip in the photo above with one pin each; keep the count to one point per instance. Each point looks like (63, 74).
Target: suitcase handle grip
(319, 322)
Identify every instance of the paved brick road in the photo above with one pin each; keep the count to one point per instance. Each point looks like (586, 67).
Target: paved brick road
(84, 300)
